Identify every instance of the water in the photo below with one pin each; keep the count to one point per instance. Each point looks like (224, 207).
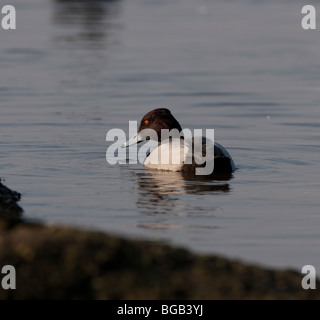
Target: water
(74, 69)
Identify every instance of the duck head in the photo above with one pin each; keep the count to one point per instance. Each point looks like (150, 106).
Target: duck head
(156, 120)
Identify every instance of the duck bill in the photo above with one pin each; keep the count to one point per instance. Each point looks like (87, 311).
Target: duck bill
(137, 138)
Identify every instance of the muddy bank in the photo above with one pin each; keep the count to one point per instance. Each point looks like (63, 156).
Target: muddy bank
(63, 263)
(9, 208)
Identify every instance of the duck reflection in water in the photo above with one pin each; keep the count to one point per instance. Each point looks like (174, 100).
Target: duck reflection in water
(164, 195)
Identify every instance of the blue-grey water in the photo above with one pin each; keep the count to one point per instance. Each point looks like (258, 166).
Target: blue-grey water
(72, 70)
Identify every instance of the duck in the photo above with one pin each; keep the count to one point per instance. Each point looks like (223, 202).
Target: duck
(174, 150)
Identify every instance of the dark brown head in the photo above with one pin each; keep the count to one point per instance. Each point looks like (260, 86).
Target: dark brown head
(157, 120)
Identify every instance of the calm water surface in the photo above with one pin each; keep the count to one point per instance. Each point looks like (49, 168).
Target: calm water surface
(74, 70)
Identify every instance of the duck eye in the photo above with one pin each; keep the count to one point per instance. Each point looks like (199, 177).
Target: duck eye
(146, 121)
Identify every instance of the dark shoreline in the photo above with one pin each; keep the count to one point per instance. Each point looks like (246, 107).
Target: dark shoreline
(54, 262)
